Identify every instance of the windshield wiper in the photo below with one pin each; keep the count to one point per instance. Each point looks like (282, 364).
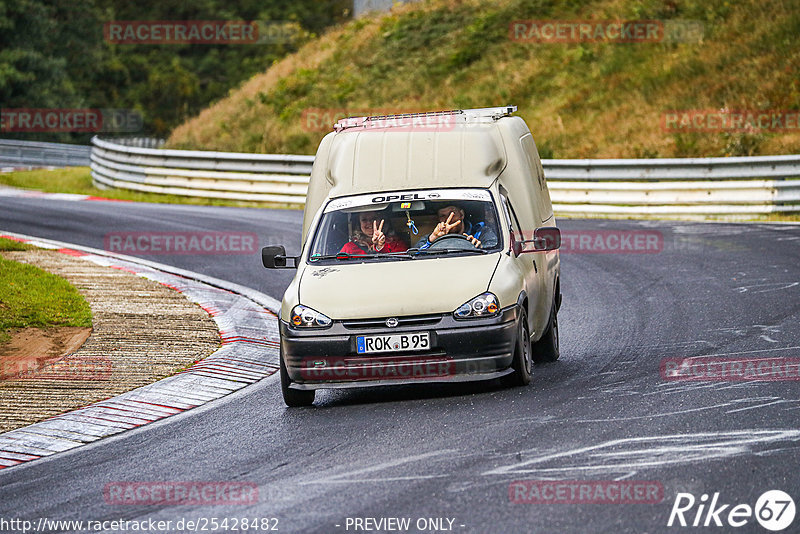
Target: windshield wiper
(346, 256)
(428, 251)
(408, 254)
(339, 256)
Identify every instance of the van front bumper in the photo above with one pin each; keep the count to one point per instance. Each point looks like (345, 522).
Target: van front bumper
(460, 350)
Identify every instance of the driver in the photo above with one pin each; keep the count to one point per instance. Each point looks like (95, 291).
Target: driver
(451, 221)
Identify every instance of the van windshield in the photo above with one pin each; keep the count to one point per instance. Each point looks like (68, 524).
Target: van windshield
(407, 224)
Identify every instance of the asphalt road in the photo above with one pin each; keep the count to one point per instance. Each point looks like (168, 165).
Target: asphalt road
(602, 413)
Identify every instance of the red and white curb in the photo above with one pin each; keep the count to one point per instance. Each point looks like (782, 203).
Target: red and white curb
(247, 323)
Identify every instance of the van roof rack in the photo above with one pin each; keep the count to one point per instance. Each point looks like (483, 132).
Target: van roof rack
(404, 119)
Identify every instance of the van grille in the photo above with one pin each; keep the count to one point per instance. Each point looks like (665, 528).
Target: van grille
(411, 320)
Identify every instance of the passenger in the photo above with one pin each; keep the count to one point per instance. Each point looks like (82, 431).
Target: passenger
(369, 238)
(480, 234)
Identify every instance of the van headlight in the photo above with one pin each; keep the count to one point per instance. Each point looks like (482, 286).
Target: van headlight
(484, 305)
(305, 317)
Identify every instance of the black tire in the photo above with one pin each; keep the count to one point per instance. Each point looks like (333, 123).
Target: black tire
(546, 349)
(294, 398)
(522, 362)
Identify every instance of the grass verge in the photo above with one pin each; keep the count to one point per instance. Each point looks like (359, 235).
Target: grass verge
(31, 297)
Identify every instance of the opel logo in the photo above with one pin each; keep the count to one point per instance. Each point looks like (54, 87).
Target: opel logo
(391, 322)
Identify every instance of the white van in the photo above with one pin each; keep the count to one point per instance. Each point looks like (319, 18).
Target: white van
(429, 254)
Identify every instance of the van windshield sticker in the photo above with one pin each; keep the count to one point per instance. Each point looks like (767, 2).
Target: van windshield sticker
(405, 196)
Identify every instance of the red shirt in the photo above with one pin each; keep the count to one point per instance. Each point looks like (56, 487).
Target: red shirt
(391, 245)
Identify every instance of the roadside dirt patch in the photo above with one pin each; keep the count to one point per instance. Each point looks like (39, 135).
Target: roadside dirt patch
(31, 349)
(53, 342)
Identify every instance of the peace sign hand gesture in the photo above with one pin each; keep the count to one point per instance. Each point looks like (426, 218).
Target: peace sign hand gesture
(443, 228)
(473, 240)
(378, 238)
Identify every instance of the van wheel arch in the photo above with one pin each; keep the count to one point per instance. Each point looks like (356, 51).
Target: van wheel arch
(522, 302)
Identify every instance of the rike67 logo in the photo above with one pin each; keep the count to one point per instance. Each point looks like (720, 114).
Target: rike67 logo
(774, 510)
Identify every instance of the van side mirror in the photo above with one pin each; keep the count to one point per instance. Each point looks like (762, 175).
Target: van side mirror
(546, 238)
(275, 258)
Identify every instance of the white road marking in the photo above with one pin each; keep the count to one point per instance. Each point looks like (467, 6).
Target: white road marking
(742, 352)
(741, 385)
(647, 452)
(385, 479)
(673, 344)
(782, 401)
(775, 286)
(683, 387)
(649, 416)
(337, 479)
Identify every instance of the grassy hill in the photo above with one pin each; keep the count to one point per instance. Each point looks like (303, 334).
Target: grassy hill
(582, 100)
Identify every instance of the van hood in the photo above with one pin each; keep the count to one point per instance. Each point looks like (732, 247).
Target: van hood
(350, 290)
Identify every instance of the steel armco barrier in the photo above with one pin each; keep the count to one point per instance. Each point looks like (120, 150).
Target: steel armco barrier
(16, 154)
(227, 175)
(743, 186)
(690, 187)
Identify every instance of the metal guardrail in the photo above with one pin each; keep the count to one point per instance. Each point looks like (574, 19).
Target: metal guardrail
(141, 142)
(674, 168)
(227, 175)
(745, 186)
(687, 187)
(31, 154)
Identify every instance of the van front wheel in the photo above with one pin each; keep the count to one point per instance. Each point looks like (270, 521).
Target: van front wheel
(522, 362)
(294, 398)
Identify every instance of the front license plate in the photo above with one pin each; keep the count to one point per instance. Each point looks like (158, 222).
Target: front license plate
(393, 343)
